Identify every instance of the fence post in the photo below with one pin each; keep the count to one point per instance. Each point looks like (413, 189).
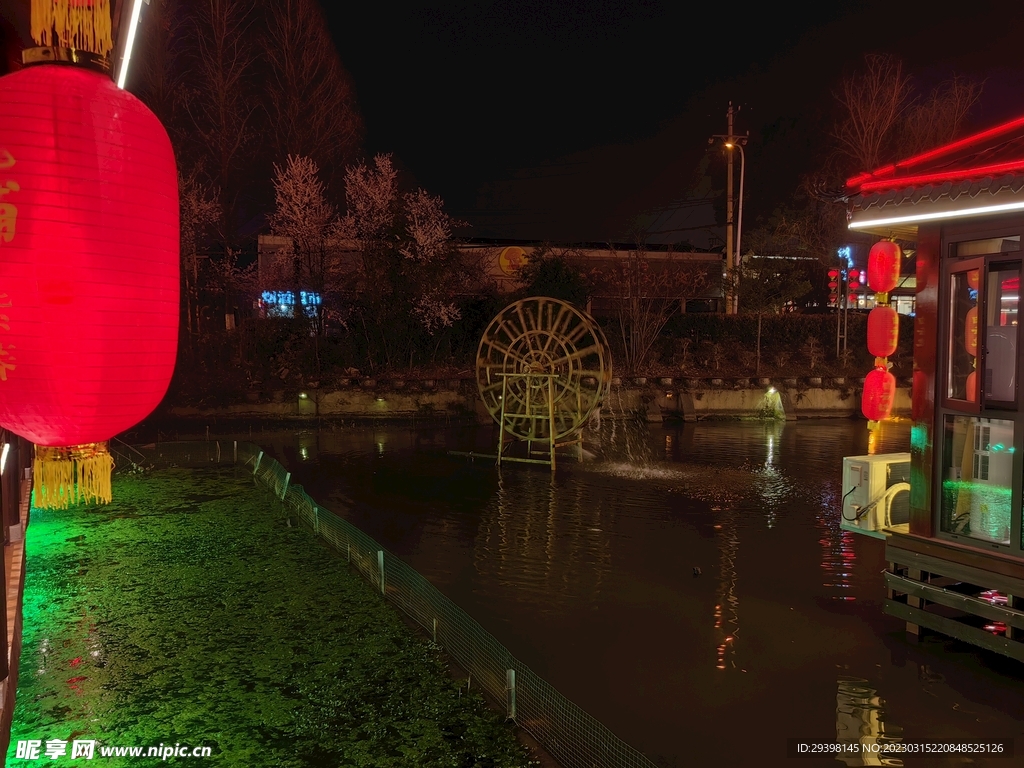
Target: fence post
(348, 552)
(316, 520)
(218, 451)
(284, 488)
(256, 466)
(511, 684)
(380, 566)
(234, 454)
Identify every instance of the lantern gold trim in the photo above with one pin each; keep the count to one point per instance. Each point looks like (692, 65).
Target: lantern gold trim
(53, 55)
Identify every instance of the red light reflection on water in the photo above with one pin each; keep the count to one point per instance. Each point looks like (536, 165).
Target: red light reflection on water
(727, 620)
(837, 554)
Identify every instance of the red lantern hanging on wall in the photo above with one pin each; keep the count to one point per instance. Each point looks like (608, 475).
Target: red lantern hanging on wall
(884, 266)
(879, 394)
(883, 331)
(88, 270)
(971, 332)
(972, 386)
(883, 274)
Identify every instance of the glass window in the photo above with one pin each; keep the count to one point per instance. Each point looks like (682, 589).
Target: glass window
(984, 247)
(977, 478)
(1000, 354)
(962, 381)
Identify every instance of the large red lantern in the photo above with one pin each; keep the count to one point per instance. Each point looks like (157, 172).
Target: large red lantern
(971, 387)
(879, 395)
(971, 332)
(88, 269)
(883, 331)
(884, 266)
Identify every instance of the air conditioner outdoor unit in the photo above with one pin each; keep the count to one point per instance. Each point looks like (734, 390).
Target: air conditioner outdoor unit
(876, 493)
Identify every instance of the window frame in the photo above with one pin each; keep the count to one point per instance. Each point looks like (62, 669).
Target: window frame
(949, 264)
(962, 266)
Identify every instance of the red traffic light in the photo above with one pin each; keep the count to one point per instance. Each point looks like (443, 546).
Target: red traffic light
(833, 273)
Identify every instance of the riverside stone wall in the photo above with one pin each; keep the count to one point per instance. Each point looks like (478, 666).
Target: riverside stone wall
(654, 399)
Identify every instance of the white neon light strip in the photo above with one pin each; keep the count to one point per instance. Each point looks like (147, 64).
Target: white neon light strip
(129, 43)
(1002, 208)
(3, 457)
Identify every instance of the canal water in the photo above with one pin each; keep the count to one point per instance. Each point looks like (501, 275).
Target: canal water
(688, 586)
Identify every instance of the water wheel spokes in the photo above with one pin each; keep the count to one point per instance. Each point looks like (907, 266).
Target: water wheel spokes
(552, 363)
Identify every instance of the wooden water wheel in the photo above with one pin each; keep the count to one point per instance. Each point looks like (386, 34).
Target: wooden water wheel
(543, 367)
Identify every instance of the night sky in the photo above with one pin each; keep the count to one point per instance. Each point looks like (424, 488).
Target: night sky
(567, 121)
(548, 119)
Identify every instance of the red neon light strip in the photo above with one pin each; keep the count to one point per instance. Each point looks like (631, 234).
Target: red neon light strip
(959, 175)
(931, 154)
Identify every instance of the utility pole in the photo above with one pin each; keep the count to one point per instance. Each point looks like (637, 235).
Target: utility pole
(730, 276)
(732, 256)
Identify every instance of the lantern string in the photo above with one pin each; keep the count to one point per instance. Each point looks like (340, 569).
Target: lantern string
(68, 475)
(80, 24)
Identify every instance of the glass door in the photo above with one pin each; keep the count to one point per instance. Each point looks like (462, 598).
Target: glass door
(962, 390)
(1002, 289)
(979, 428)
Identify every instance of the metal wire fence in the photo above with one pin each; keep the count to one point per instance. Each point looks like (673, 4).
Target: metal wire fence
(570, 735)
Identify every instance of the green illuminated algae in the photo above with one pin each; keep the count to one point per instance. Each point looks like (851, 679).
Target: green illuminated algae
(189, 611)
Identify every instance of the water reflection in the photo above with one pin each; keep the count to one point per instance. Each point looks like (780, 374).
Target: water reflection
(860, 719)
(547, 542)
(589, 577)
(838, 556)
(727, 609)
(308, 445)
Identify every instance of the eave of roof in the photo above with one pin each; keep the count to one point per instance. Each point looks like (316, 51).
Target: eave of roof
(898, 212)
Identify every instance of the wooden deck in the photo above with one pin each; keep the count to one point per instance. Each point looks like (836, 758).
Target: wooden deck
(936, 585)
(14, 565)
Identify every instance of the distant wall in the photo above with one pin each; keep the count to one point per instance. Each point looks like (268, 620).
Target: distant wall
(663, 399)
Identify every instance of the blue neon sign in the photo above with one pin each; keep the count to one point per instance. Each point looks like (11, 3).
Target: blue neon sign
(282, 303)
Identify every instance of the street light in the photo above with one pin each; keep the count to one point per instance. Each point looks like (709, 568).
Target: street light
(738, 142)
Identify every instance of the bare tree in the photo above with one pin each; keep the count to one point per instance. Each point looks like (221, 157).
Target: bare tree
(411, 273)
(310, 97)
(220, 102)
(231, 280)
(199, 211)
(647, 294)
(873, 102)
(767, 286)
(158, 77)
(883, 120)
(937, 118)
(312, 226)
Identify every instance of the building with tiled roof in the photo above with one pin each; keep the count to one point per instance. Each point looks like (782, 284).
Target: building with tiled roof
(957, 566)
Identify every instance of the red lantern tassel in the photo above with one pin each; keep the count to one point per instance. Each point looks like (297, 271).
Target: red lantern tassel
(81, 24)
(66, 475)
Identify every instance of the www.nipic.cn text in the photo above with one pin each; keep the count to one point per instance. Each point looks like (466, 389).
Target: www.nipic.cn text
(52, 749)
